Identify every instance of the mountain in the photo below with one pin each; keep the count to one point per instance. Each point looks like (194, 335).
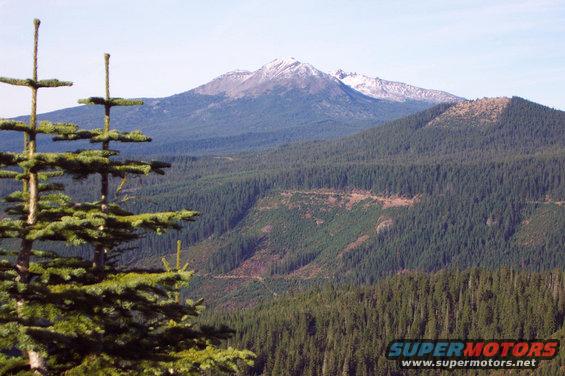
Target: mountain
(279, 74)
(378, 88)
(485, 129)
(283, 101)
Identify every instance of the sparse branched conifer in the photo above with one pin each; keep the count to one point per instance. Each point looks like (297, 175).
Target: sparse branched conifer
(61, 315)
(120, 226)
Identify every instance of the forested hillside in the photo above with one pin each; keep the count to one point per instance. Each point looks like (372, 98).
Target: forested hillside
(487, 192)
(483, 129)
(345, 331)
(403, 157)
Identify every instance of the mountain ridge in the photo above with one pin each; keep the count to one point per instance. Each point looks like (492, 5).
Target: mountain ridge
(376, 87)
(291, 72)
(282, 102)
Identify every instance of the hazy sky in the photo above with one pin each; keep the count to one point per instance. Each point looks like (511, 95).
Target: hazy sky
(469, 48)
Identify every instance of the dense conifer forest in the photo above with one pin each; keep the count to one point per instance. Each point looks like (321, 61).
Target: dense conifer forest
(345, 331)
(509, 168)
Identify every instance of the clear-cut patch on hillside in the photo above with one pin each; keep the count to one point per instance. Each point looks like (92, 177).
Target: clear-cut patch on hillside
(384, 223)
(300, 234)
(257, 265)
(308, 271)
(480, 112)
(355, 244)
(549, 200)
(347, 199)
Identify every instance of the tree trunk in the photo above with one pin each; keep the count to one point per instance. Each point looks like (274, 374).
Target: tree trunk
(99, 260)
(36, 361)
(100, 251)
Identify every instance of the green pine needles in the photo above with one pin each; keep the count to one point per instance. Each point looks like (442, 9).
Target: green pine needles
(66, 315)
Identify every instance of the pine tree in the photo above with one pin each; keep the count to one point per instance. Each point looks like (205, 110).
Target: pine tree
(61, 315)
(105, 135)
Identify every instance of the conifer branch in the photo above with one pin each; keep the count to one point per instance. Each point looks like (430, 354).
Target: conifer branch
(11, 159)
(5, 174)
(41, 176)
(34, 84)
(44, 127)
(81, 162)
(110, 102)
(98, 135)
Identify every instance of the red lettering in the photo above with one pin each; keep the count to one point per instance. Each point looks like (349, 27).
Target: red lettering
(535, 349)
(520, 349)
(550, 349)
(506, 346)
(473, 349)
(491, 349)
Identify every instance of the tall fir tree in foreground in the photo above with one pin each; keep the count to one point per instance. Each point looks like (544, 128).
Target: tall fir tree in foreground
(28, 224)
(116, 230)
(64, 315)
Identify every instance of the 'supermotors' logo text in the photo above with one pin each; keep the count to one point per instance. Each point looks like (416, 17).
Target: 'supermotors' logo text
(471, 353)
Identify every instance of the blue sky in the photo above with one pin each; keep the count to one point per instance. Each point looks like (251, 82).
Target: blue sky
(469, 48)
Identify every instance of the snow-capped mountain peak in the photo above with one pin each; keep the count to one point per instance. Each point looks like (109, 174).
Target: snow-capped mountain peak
(281, 74)
(285, 74)
(281, 63)
(285, 67)
(390, 90)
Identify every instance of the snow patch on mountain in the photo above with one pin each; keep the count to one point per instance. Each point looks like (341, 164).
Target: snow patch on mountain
(393, 91)
(289, 67)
